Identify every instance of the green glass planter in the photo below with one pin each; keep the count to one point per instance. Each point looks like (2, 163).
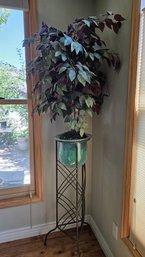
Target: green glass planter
(72, 152)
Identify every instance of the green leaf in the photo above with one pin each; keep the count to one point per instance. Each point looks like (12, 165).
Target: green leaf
(64, 88)
(72, 74)
(82, 100)
(86, 22)
(63, 56)
(93, 17)
(57, 53)
(53, 106)
(82, 131)
(61, 40)
(55, 45)
(60, 112)
(96, 47)
(86, 53)
(54, 60)
(98, 56)
(62, 106)
(96, 23)
(59, 91)
(68, 40)
(91, 56)
(82, 112)
(109, 13)
(67, 119)
(89, 102)
(62, 69)
(81, 80)
(84, 125)
(86, 68)
(49, 79)
(79, 66)
(90, 112)
(72, 47)
(85, 76)
(45, 108)
(42, 96)
(73, 124)
(77, 47)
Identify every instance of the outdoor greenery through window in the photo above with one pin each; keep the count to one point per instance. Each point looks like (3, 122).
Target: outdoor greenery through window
(14, 135)
(20, 140)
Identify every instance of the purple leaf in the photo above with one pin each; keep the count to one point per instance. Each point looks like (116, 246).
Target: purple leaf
(101, 26)
(115, 28)
(119, 24)
(109, 23)
(44, 29)
(118, 17)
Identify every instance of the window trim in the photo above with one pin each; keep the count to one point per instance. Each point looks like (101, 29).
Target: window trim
(30, 27)
(130, 118)
(19, 4)
(130, 127)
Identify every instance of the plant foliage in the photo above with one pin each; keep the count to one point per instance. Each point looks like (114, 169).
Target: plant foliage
(69, 67)
(4, 14)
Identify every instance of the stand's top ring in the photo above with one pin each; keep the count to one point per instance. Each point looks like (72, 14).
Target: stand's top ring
(87, 138)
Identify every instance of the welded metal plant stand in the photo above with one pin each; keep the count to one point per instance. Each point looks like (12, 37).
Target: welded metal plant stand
(70, 211)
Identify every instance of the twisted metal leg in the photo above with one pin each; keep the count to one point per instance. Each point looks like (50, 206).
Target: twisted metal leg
(45, 241)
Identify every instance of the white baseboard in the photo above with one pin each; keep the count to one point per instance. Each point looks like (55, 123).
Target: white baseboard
(100, 238)
(26, 232)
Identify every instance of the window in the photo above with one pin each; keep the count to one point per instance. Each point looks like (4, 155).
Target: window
(138, 176)
(133, 222)
(20, 140)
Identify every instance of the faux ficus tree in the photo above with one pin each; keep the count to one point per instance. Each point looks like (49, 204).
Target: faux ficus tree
(69, 68)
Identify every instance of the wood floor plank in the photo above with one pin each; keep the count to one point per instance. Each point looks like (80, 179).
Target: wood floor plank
(58, 245)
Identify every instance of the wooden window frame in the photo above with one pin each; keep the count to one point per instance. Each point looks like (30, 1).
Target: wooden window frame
(30, 27)
(130, 127)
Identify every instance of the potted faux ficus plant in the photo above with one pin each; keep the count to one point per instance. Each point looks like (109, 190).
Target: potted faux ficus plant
(71, 81)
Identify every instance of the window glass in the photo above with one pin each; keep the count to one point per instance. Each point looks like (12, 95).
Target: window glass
(12, 57)
(142, 4)
(14, 146)
(20, 143)
(14, 121)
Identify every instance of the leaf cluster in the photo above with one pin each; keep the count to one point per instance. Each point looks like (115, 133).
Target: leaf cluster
(69, 68)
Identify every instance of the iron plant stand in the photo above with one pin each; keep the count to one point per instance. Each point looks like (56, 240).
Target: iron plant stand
(70, 179)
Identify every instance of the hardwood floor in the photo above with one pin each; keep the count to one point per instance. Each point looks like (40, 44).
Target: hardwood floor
(58, 245)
